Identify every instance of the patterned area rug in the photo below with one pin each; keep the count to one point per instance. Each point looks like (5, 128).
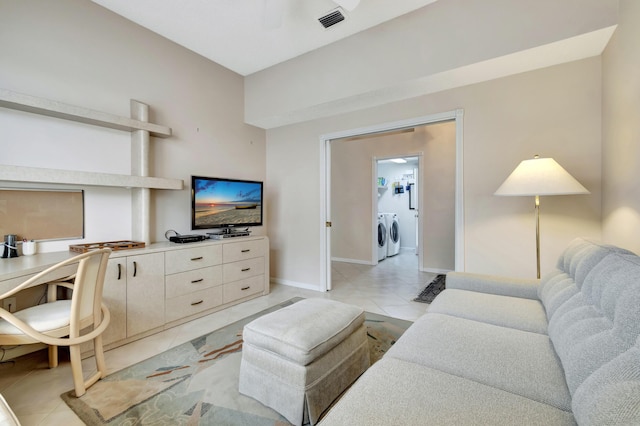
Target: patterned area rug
(196, 383)
(432, 290)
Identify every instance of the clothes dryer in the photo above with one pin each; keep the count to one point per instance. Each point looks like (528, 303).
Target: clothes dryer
(393, 229)
(383, 235)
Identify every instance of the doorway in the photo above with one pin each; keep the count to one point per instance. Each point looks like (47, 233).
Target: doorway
(396, 189)
(368, 225)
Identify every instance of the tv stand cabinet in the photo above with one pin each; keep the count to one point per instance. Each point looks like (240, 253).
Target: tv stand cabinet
(198, 279)
(165, 284)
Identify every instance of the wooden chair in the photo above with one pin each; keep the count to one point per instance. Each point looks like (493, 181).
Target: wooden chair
(64, 322)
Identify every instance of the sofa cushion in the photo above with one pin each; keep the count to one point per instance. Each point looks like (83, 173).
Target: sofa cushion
(575, 263)
(505, 311)
(397, 392)
(575, 246)
(611, 395)
(600, 322)
(555, 289)
(581, 248)
(515, 361)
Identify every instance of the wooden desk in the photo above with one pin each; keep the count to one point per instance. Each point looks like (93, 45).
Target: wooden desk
(16, 270)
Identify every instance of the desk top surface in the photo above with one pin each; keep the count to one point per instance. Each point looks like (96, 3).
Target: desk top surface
(23, 266)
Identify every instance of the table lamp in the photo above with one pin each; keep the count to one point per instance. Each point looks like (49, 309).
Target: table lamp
(536, 177)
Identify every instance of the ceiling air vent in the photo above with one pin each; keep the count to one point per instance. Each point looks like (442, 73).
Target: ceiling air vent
(332, 18)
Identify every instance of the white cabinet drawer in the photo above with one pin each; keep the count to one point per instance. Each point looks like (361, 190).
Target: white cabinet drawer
(243, 288)
(191, 258)
(190, 281)
(244, 269)
(182, 306)
(241, 250)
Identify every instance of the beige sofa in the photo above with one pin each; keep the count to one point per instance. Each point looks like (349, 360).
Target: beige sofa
(498, 351)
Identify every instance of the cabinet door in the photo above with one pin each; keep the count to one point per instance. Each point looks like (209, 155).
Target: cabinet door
(114, 295)
(145, 293)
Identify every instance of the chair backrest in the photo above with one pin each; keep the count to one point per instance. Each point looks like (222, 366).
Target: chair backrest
(86, 300)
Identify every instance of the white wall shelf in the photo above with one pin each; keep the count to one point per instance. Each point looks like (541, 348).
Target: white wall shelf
(42, 175)
(36, 105)
(137, 125)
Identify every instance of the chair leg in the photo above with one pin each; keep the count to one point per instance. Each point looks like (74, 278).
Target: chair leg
(101, 365)
(79, 383)
(76, 370)
(53, 356)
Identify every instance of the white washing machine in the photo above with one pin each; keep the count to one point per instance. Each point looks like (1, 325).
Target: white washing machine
(383, 235)
(393, 230)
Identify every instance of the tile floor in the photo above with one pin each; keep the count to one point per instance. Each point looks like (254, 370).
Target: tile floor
(33, 390)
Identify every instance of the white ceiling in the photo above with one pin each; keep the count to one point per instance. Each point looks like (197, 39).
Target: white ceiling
(242, 34)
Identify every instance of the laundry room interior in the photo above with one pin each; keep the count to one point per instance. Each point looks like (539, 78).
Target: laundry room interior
(397, 205)
(365, 183)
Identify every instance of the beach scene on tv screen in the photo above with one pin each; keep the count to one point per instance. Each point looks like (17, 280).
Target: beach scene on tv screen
(227, 203)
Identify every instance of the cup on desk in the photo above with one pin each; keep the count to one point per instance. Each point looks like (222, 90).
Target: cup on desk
(28, 248)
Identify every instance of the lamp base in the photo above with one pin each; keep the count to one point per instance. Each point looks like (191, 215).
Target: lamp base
(538, 236)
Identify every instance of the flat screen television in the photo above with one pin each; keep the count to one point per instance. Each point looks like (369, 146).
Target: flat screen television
(225, 203)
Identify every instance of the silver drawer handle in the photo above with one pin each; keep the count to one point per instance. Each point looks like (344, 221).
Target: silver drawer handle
(197, 303)
(246, 269)
(245, 251)
(197, 281)
(245, 288)
(196, 258)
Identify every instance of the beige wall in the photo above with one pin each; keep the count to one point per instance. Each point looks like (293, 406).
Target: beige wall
(621, 131)
(552, 112)
(423, 52)
(77, 52)
(352, 182)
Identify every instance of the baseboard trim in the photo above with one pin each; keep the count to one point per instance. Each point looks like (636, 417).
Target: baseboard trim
(436, 270)
(358, 261)
(294, 284)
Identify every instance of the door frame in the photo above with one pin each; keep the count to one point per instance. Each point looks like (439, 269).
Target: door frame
(325, 183)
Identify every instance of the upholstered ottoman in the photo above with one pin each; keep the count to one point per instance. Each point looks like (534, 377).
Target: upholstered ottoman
(299, 359)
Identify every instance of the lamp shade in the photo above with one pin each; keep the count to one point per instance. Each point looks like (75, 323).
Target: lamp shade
(540, 176)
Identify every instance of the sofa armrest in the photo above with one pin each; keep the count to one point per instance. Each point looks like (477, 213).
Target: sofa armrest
(493, 284)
